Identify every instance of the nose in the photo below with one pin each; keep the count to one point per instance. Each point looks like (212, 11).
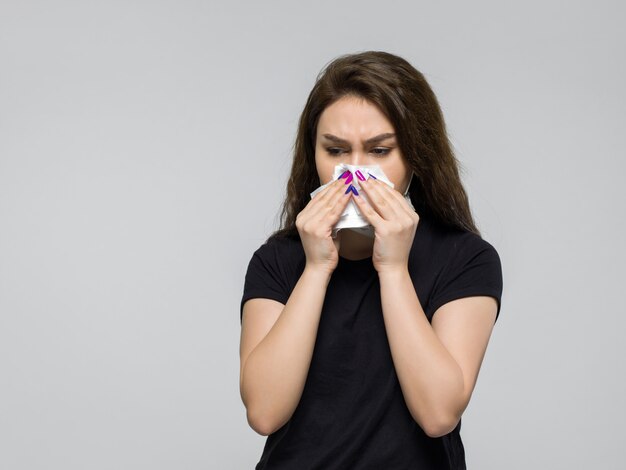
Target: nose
(357, 158)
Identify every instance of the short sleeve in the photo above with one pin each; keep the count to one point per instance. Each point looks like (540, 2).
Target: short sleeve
(266, 276)
(473, 269)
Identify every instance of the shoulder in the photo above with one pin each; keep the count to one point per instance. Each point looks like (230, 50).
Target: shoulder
(273, 270)
(281, 254)
(452, 244)
(280, 247)
(462, 264)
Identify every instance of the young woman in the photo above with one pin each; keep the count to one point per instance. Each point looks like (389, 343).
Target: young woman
(360, 352)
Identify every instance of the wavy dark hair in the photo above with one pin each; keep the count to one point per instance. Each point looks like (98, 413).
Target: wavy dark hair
(404, 96)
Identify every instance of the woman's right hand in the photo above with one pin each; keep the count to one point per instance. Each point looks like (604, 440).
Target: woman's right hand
(315, 223)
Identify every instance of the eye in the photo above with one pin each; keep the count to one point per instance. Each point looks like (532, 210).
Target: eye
(334, 150)
(380, 151)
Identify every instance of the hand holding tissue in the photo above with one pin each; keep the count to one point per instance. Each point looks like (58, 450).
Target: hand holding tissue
(351, 218)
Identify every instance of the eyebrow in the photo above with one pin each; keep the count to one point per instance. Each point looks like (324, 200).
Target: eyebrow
(371, 140)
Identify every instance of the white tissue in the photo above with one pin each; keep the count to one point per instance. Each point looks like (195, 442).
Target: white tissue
(351, 218)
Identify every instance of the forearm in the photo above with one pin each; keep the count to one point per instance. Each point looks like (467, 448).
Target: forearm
(431, 380)
(275, 372)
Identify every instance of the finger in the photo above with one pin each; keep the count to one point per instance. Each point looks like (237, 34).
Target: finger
(320, 220)
(328, 212)
(379, 199)
(400, 198)
(341, 181)
(312, 207)
(323, 196)
(339, 193)
(326, 190)
(368, 212)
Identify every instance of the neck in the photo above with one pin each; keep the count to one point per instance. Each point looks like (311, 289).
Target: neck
(354, 246)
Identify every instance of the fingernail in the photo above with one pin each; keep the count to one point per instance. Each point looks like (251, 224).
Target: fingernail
(359, 175)
(350, 188)
(356, 193)
(344, 174)
(369, 174)
(349, 178)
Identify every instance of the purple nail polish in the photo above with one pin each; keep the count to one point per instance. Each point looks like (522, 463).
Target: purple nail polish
(349, 189)
(356, 193)
(359, 175)
(369, 174)
(349, 178)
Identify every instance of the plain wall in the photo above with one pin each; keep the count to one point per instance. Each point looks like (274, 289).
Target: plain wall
(144, 152)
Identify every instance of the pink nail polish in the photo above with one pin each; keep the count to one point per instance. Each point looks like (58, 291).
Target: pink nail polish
(349, 178)
(359, 175)
(344, 174)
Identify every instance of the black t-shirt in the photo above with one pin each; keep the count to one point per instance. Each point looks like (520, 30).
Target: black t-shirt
(352, 414)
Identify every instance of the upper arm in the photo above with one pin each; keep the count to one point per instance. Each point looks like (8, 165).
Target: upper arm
(259, 315)
(464, 327)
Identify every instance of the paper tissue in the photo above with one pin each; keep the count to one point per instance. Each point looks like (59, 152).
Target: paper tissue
(351, 218)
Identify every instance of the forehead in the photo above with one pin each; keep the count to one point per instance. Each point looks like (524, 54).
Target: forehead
(353, 116)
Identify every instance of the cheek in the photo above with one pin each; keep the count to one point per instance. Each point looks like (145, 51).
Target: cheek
(325, 169)
(392, 173)
(397, 177)
(327, 175)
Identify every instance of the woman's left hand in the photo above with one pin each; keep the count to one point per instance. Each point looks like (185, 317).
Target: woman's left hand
(394, 222)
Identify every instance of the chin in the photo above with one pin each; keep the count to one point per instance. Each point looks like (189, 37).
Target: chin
(354, 234)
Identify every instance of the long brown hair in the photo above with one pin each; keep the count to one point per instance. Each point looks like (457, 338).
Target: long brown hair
(404, 96)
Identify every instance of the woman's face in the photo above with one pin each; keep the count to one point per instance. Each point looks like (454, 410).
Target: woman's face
(354, 131)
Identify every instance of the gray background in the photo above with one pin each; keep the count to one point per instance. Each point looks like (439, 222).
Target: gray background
(144, 151)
